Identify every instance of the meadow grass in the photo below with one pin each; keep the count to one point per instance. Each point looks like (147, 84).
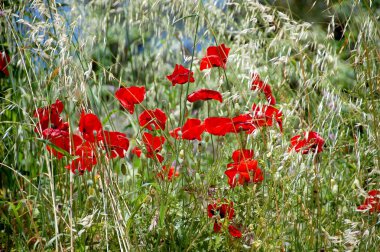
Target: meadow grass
(81, 53)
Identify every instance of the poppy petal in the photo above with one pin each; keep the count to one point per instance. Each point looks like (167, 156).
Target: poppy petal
(116, 143)
(216, 56)
(218, 126)
(61, 139)
(310, 142)
(234, 231)
(242, 154)
(129, 96)
(89, 126)
(153, 143)
(217, 227)
(204, 94)
(175, 133)
(180, 75)
(192, 129)
(137, 151)
(258, 84)
(50, 117)
(4, 61)
(156, 118)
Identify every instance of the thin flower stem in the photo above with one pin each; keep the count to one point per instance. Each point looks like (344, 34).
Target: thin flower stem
(317, 198)
(182, 115)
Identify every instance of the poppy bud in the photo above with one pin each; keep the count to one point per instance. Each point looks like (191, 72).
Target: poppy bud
(181, 154)
(91, 191)
(200, 147)
(207, 138)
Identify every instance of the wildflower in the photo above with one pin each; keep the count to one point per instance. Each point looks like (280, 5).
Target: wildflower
(90, 126)
(86, 159)
(116, 143)
(258, 84)
(62, 140)
(311, 141)
(137, 151)
(169, 173)
(176, 133)
(246, 171)
(234, 231)
(222, 210)
(217, 226)
(180, 75)
(192, 129)
(264, 115)
(153, 145)
(241, 155)
(371, 203)
(204, 94)
(129, 96)
(216, 56)
(4, 61)
(49, 117)
(220, 126)
(155, 117)
(243, 122)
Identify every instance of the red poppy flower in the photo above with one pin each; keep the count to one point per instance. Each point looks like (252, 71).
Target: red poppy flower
(61, 139)
(258, 84)
(244, 169)
(180, 75)
(264, 115)
(155, 156)
(192, 129)
(241, 155)
(216, 56)
(137, 151)
(223, 209)
(86, 159)
(50, 116)
(244, 172)
(371, 203)
(243, 122)
(115, 142)
(234, 231)
(220, 126)
(90, 126)
(168, 173)
(153, 145)
(204, 94)
(311, 141)
(156, 117)
(176, 133)
(4, 61)
(217, 226)
(129, 96)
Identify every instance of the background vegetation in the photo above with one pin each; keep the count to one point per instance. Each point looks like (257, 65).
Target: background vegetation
(321, 59)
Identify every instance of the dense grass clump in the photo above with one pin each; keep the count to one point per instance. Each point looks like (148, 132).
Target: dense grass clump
(276, 148)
